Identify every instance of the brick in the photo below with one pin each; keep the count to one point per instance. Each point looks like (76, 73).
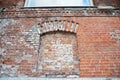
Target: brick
(9, 62)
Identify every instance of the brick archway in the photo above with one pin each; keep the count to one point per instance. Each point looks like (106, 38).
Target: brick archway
(58, 25)
(59, 49)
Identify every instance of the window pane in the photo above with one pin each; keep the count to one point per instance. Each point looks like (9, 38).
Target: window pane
(53, 3)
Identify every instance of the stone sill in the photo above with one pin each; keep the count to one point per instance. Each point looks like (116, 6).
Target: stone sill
(20, 78)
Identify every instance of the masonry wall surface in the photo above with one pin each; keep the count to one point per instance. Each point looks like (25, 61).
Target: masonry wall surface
(98, 40)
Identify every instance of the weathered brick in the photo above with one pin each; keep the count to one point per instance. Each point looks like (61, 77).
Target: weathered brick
(9, 62)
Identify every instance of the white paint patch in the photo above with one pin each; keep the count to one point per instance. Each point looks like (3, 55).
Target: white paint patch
(2, 51)
(115, 34)
(5, 22)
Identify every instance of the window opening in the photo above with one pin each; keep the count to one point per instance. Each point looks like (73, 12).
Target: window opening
(57, 3)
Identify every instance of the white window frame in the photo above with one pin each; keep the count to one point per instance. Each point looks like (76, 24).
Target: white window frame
(58, 3)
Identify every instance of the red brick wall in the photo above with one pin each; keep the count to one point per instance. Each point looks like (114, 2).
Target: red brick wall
(98, 40)
(99, 51)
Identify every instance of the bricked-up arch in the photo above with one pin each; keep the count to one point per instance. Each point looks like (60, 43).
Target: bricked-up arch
(58, 49)
(58, 25)
(59, 55)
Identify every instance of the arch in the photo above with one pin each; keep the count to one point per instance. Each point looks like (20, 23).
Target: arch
(58, 39)
(58, 25)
